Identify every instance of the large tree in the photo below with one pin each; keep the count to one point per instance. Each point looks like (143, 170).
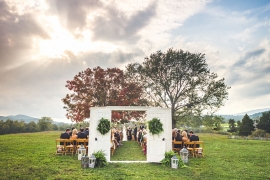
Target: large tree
(97, 88)
(45, 123)
(213, 121)
(264, 122)
(232, 125)
(246, 127)
(181, 81)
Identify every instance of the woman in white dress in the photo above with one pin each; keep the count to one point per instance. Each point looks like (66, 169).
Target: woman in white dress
(124, 133)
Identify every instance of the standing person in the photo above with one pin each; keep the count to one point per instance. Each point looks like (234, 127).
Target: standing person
(139, 136)
(124, 133)
(135, 133)
(129, 133)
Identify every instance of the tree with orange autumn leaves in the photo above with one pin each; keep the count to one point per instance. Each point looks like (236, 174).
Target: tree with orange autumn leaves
(98, 87)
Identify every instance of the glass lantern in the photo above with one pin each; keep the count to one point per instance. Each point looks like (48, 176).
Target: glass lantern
(174, 162)
(92, 161)
(184, 155)
(85, 162)
(81, 152)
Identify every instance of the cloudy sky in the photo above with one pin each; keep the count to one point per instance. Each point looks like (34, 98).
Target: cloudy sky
(44, 43)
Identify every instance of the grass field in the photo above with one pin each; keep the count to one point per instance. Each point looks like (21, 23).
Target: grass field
(129, 151)
(32, 156)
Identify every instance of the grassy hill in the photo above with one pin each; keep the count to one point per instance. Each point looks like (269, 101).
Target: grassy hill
(32, 156)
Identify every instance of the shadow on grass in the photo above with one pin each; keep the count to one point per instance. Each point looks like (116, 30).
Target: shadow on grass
(129, 151)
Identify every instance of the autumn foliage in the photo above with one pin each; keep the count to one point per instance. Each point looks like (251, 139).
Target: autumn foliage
(98, 87)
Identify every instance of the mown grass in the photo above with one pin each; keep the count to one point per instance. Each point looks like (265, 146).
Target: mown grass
(129, 151)
(32, 156)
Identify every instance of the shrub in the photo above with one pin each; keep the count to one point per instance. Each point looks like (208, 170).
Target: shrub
(258, 133)
(167, 160)
(101, 161)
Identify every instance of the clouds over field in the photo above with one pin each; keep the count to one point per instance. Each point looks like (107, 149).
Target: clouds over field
(44, 43)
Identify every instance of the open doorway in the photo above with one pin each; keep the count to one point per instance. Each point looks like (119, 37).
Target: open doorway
(157, 145)
(128, 136)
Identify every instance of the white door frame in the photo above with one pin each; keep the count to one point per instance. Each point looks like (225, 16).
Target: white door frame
(98, 141)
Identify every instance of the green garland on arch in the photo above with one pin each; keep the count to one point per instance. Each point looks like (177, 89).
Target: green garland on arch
(155, 126)
(104, 126)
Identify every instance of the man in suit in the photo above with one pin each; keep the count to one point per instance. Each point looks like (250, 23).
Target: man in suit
(65, 135)
(141, 127)
(193, 137)
(82, 135)
(135, 132)
(86, 131)
(129, 133)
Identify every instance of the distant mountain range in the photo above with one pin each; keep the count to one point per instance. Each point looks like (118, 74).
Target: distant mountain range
(254, 111)
(254, 114)
(21, 117)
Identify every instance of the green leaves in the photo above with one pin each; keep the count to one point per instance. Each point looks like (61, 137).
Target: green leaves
(104, 126)
(167, 160)
(155, 126)
(175, 79)
(100, 159)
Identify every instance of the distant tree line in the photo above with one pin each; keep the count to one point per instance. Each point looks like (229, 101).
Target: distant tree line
(249, 126)
(43, 124)
(258, 127)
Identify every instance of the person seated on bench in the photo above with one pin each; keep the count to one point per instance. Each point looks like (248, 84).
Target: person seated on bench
(65, 135)
(193, 137)
(184, 137)
(178, 138)
(82, 135)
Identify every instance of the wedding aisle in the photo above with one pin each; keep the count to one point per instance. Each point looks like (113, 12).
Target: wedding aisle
(129, 151)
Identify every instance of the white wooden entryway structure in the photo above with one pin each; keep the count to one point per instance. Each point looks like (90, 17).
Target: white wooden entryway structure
(157, 145)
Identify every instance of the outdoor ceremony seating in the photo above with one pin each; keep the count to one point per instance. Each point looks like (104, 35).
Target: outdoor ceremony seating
(190, 147)
(60, 146)
(177, 149)
(198, 148)
(69, 147)
(81, 141)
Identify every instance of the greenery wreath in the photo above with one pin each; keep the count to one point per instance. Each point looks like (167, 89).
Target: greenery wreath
(104, 126)
(155, 126)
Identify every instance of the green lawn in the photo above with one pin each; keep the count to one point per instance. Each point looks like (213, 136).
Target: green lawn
(32, 156)
(129, 151)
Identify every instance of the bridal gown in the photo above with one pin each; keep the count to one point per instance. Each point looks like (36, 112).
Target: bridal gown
(124, 134)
